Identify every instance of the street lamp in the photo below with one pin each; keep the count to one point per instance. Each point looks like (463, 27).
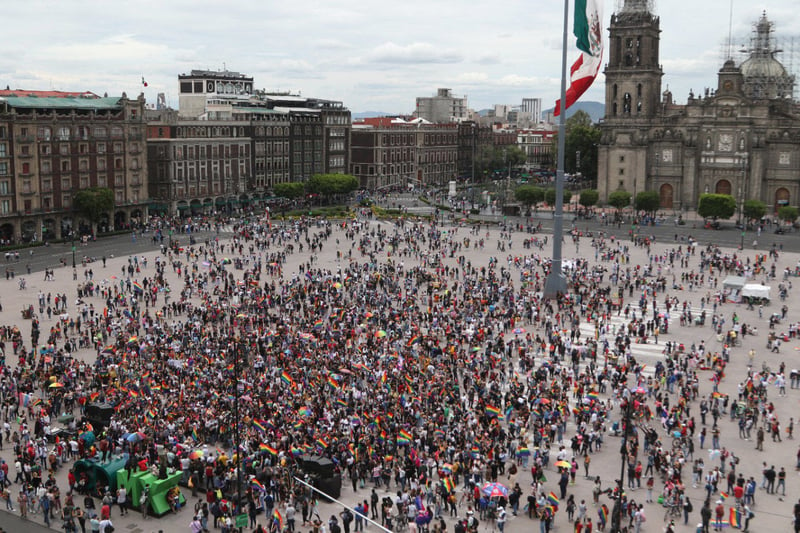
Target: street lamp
(631, 404)
(742, 192)
(472, 179)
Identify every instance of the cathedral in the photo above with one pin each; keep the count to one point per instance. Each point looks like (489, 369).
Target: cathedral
(741, 139)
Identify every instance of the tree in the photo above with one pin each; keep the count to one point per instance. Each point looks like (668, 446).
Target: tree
(648, 201)
(754, 209)
(589, 197)
(716, 206)
(291, 190)
(330, 185)
(787, 213)
(550, 196)
(619, 199)
(529, 195)
(490, 159)
(580, 145)
(92, 203)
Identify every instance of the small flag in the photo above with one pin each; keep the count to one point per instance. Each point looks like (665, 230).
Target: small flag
(449, 485)
(256, 484)
(404, 436)
(278, 519)
(552, 498)
(287, 379)
(266, 448)
(723, 496)
(194, 435)
(333, 383)
(322, 442)
(492, 411)
(593, 395)
(144, 83)
(259, 426)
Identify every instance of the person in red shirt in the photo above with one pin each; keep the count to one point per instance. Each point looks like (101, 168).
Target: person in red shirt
(719, 512)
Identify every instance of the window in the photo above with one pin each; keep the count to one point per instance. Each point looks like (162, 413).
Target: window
(26, 168)
(3, 150)
(116, 132)
(45, 149)
(63, 149)
(622, 159)
(101, 163)
(102, 181)
(46, 167)
(66, 201)
(66, 184)
(65, 166)
(5, 207)
(119, 180)
(43, 134)
(84, 182)
(3, 168)
(119, 196)
(622, 172)
(63, 133)
(117, 148)
(100, 132)
(4, 187)
(101, 148)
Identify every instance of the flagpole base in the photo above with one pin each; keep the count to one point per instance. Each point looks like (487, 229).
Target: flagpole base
(555, 284)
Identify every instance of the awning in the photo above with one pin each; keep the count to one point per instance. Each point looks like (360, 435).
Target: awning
(183, 207)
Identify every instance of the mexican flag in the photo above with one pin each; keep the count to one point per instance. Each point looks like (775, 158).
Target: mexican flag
(587, 28)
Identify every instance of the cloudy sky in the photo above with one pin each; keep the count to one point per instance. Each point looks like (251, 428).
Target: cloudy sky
(376, 55)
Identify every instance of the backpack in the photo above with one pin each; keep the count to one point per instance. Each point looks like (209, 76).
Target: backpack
(689, 507)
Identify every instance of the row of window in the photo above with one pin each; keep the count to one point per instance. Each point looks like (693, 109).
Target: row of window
(67, 133)
(82, 148)
(212, 151)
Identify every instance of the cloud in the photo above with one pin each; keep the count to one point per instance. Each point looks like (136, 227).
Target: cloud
(472, 77)
(413, 53)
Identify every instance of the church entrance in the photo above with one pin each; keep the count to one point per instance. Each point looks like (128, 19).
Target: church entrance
(665, 192)
(781, 198)
(723, 187)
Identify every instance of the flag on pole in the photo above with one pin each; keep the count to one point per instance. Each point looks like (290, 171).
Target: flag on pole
(144, 83)
(587, 28)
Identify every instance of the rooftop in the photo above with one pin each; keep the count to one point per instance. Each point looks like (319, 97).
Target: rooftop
(47, 94)
(62, 102)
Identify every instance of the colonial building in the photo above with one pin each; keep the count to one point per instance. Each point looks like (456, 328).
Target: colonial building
(391, 152)
(740, 138)
(229, 144)
(52, 145)
(537, 144)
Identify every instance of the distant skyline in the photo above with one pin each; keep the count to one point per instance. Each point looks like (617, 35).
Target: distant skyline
(372, 57)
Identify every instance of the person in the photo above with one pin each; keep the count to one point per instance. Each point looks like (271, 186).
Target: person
(796, 512)
(705, 515)
(122, 498)
(144, 501)
(195, 526)
(501, 518)
(687, 508)
(670, 527)
(719, 513)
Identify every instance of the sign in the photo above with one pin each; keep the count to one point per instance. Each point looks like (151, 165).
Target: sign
(241, 520)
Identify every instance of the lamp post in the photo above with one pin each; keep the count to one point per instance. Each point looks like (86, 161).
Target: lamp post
(742, 192)
(472, 179)
(631, 403)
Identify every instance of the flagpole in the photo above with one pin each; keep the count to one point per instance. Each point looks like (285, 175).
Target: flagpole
(556, 283)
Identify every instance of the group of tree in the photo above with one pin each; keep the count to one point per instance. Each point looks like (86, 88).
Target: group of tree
(490, 159)
(531, 195)
(580, 145)
(327, 186)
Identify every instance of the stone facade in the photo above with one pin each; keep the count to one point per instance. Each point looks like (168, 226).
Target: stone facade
(742, 138)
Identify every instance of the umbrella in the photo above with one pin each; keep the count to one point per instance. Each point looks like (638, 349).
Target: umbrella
(135, 437)
(56, 385)
(494, 490)
(563, 464)
(380, 334)
(196, 454)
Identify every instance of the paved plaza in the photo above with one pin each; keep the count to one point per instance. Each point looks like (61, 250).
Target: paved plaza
(772, 511)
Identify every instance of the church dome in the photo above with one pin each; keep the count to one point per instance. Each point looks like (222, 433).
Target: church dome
(762, 66)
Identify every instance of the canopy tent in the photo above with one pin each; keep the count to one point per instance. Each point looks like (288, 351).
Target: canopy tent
(734, 282)
(754, 290)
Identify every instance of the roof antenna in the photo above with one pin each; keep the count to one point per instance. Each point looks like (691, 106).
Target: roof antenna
(730, 32)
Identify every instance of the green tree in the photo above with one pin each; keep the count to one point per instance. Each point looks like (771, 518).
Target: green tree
(490, 159)
(529, 194)
(291, 189)
(787, 213)
(580, 145)
(331, 185)
(716, 206)
(93, 203)
(589, 197)
(619, 199)
(754, 209)
(550, 196)
(648, 201)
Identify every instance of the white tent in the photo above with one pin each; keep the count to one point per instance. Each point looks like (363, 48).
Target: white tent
(753, 290)
(734, 282)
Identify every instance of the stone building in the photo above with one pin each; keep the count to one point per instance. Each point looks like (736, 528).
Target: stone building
(741, 138)
(54, 144)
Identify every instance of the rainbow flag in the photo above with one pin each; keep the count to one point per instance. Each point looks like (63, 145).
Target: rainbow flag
(195, 437)
(259, 426)
(603, 512)
(552, 498)
(278, 519)
(735, 518)
(449, 486)
(137, 287)
(296, 451)
(593, 395)
(287, 379)
(413, 340)
(333, 383)
(475, 452)
(492, 411)
(256, 484)
(341, 402)
(322, 442)
(404, 436)
(318, 325)
(151, 414)
(723, 495)
(266, 448)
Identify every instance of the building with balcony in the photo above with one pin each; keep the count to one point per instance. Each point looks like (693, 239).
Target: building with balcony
(53, 144)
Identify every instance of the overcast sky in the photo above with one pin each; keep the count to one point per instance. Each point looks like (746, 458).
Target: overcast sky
(372, 55)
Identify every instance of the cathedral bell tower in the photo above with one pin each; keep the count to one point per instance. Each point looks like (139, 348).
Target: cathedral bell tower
(633, 74)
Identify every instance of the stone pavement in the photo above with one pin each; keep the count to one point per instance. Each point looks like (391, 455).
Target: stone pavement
(771, 512)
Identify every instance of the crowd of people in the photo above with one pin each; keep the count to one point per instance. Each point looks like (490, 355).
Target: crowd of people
(417, 366)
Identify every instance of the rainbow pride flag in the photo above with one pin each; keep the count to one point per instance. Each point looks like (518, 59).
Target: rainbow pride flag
(492, 411)
(404, 436)
(735, 518)
(552, 498)
(266, 448)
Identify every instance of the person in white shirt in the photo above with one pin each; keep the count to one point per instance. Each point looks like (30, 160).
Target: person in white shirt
(104, 525)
